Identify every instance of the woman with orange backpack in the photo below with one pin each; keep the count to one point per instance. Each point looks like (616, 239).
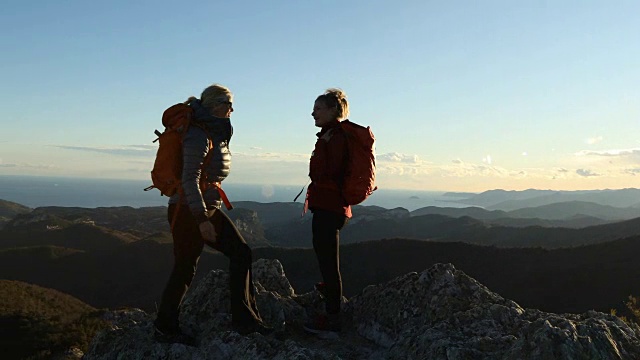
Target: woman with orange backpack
(195, 217)
(331, 211)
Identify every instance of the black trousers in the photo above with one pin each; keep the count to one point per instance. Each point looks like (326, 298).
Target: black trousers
(326, 226)
(187, 247)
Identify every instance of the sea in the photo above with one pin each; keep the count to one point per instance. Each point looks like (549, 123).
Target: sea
(36, 191)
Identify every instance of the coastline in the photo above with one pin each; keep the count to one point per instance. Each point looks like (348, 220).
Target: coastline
(36, 191)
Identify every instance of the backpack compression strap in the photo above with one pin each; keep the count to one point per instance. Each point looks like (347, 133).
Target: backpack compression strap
(223, 195)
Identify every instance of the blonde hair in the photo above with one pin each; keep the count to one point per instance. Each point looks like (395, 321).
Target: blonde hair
(212, 96)
(337, 99)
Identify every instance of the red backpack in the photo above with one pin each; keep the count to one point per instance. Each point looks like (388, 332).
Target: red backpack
(360, 177)
(166, 175)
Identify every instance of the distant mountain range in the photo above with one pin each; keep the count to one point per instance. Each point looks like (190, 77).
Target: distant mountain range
(513, 200)
(570, 256)
(555, 225)
(571, 214)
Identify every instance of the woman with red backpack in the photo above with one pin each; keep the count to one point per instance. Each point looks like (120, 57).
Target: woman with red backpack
(330, 210)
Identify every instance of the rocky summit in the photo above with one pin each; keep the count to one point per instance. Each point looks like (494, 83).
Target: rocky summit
(440, 313)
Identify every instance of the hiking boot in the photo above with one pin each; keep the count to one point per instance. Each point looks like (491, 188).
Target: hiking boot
(321, 287)
(325, 326)
(173, 337)
(258, 327)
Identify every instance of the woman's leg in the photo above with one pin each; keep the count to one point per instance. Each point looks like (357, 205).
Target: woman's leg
(187, 247)
(244, 310)
(326, 227)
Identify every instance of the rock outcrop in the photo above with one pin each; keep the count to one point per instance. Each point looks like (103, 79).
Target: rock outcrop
(440, 313)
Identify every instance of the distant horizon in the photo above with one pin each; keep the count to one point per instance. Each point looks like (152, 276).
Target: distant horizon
(39, 191)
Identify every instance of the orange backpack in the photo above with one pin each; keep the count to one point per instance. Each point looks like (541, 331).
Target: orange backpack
(166, 175)
(360, 177)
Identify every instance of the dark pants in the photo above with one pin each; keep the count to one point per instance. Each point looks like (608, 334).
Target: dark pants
(326, 227)
(187, 247)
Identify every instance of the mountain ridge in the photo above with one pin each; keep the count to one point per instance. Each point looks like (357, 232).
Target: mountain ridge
(561, 280)
(511, 200)
(42, 323)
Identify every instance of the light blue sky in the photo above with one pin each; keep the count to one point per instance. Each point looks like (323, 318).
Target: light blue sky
(462, 95)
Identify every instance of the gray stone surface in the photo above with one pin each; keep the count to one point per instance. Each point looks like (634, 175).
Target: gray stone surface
(440, 313)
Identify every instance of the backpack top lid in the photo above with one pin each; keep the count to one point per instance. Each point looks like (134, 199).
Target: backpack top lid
(363, 134)
(177, 117)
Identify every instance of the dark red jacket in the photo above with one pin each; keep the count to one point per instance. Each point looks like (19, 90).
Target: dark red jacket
(326, 170)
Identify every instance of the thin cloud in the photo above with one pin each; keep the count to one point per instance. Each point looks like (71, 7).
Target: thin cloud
(586, 173)
(128, 150)
(270, 156)
(593, 140)
(136, 170)
(612, 152)
(461, 168)
(400, 170)
(28, 166)
(395, 164)
(398, 158)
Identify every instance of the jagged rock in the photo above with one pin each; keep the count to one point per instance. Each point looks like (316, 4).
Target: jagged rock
(270, 274)
(444, 314)
(124, 318)
(72, 353)
(440, 313)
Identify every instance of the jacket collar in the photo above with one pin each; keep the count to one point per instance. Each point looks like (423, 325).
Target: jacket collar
(214, 124)
(332, 125)
(200, 113)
